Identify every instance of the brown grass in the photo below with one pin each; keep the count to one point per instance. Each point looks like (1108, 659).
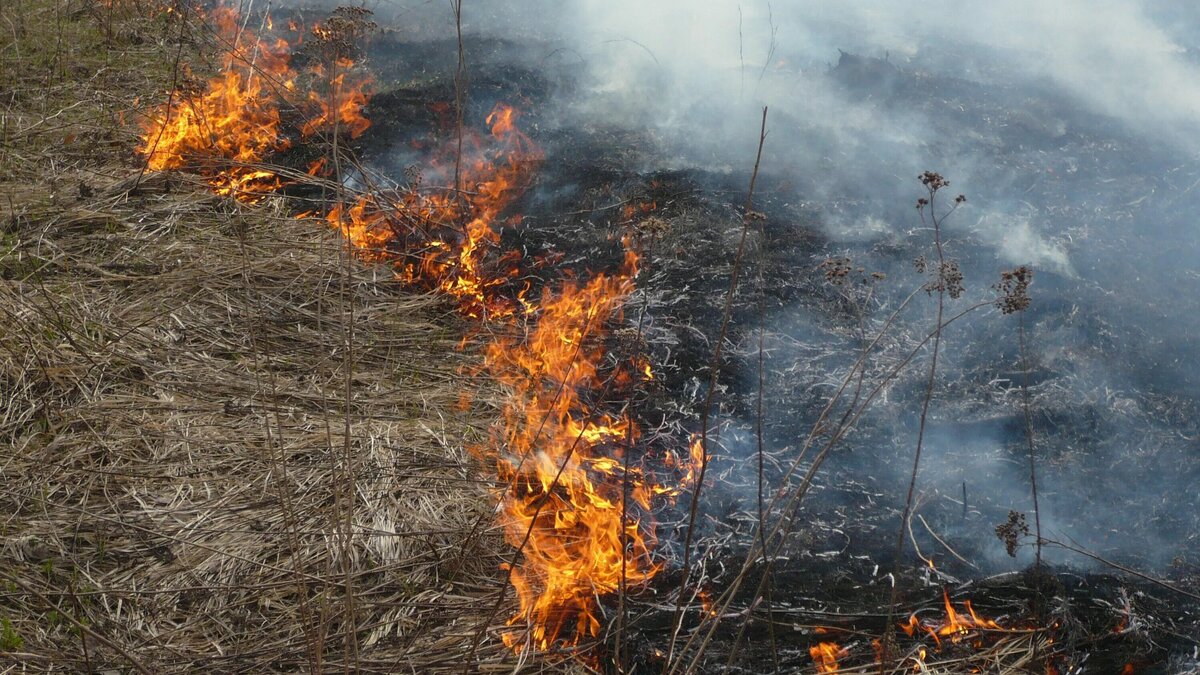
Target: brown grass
(173, 394)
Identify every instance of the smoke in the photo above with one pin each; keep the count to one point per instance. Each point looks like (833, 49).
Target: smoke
(1115, 57)
(1017, 243)
(1071, 126)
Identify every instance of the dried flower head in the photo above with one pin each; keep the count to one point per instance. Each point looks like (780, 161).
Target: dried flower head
(653, 227)
(948, 279)
(933, 180)
(340, 35)
(629, 340)
(837, 270)
(414, 176)
(1014, 289)
(1011, 531)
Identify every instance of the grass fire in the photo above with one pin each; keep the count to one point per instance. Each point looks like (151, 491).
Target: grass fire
(598, 338)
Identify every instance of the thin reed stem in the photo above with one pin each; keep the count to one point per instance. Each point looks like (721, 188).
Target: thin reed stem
(706, 410)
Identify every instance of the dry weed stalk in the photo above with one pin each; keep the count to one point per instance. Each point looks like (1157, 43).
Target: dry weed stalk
(748, 215)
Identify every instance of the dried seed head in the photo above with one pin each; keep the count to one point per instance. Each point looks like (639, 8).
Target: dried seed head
(652, 227)
(340, 35)
(932, 180)
(1011, 531)
(948, 279)
(837, 270)
(1014, 289)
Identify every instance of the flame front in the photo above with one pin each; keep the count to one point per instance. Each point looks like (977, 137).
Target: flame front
(561, 456)
(227, 130)
(575, 508)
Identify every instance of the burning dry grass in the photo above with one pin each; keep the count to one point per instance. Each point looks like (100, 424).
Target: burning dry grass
(1012, 654)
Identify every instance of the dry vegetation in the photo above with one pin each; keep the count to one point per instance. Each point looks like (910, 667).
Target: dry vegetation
(200, 398)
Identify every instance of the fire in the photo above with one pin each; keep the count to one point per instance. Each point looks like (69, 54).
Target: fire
(345, 102)
(826, 655)
(561, 455)
(706, 602)
(451, 257)
(955, 626)
(226, 131)
(575, 507)
(579, 534)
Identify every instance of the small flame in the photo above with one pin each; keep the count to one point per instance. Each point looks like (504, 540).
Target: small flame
(955, 626)
(826, 655)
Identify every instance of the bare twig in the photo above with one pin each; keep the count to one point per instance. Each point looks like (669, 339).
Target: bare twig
(706, 409)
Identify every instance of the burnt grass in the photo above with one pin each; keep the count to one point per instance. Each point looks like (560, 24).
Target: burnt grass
(834, 570)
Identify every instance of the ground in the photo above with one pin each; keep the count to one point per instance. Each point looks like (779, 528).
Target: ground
(201, 398)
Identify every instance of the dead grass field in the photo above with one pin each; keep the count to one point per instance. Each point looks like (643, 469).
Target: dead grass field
(229, 448)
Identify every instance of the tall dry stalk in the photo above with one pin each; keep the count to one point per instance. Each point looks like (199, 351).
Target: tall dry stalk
(622, 608)
(787, 503)
(1027, 407)
(460, 93)
(947, 280)
(714, 370)
(275, 441)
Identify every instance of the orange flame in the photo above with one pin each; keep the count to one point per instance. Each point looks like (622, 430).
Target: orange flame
(345, 102)
(228, 130)
(562, 459)
(562, 456)
(454, 258)
(826, 655)
(954, 626)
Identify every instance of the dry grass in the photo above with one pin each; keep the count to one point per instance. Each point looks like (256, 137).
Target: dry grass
(1012, 654)
(173, 374)
(182, 417)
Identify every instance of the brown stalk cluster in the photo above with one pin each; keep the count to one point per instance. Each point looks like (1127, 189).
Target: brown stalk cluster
(1014, 289)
